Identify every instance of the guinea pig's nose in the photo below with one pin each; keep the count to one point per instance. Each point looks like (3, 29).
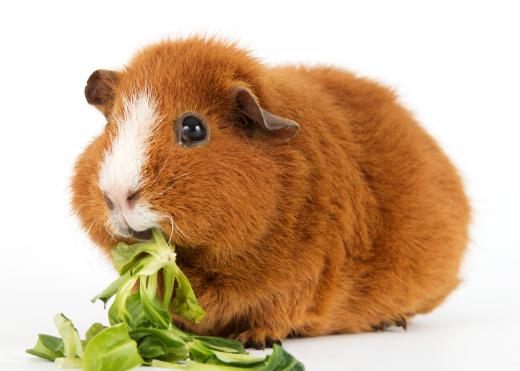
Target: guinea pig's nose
(127, 201)
(131, 198)
(108, 201)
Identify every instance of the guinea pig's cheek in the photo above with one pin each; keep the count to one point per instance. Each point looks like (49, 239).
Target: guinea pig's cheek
(185, 222)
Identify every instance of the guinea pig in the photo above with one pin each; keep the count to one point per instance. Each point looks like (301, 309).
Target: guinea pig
(303, 201)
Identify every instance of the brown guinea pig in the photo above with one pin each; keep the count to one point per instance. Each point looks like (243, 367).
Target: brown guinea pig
(304, 200)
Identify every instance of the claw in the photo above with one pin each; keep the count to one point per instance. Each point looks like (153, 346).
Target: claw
(401, 322)
(255, 344)
(258, 338)
(381, 327)
(269, 341)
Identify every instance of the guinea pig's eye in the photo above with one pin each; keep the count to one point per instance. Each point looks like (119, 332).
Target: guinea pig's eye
(191, 130)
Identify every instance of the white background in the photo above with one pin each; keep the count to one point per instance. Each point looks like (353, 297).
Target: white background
(455, 65)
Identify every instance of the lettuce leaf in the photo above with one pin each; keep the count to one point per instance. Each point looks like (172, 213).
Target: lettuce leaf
(142, 331)
(47, 347)
(112, 349)
(72, 346)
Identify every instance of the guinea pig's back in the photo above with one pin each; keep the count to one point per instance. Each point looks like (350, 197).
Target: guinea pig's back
(420, 197)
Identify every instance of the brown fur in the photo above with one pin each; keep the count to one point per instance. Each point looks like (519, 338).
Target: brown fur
(359, 221)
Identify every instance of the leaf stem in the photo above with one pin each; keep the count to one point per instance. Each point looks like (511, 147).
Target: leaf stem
(168, 283)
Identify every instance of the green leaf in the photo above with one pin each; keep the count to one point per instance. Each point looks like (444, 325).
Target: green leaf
(151, 347)
(147, 266)
(47, 347)
(199, 352)
(111, 349)
(71, 341)
(113, 317)
(111, 289)
(52, 342)
(222, 344)
(137, 316)
(181, 334)
(280, 360)
(173, 347)
(128, 257)
(189, 365)
(168, 283)
(93, 331)
(157, 315)
(169, 339)
(124, 256)
(121, 313)
(145, 259)
(142, 327)
(175, 354)
(185, 303)
(204, 359)
(192, 366)
(237, 359)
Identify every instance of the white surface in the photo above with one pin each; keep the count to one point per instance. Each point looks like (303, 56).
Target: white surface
(455, 64)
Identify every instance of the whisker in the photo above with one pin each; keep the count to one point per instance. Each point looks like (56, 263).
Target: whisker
(159, 172)
(76, 210)
(181, 232)
(107, 229)
(91, 225)
(175, 227)
(171, 185)
(171, 230)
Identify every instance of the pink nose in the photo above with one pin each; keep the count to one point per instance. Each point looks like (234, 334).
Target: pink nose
(126, 200)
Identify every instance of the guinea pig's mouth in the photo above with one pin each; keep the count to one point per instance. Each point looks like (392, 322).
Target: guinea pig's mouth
(141, 235)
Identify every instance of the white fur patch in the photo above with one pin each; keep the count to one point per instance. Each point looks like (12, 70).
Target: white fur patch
(139, 218)
(120, 173)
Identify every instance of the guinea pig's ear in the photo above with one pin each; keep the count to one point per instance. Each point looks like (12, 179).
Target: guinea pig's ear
(100, 89)
(281, 128)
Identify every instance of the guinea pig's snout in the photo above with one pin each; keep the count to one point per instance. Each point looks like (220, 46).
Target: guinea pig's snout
(130, 215)
(124, 200)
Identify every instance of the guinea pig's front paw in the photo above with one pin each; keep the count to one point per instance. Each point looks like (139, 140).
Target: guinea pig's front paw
(258, 338)
(383, 325)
